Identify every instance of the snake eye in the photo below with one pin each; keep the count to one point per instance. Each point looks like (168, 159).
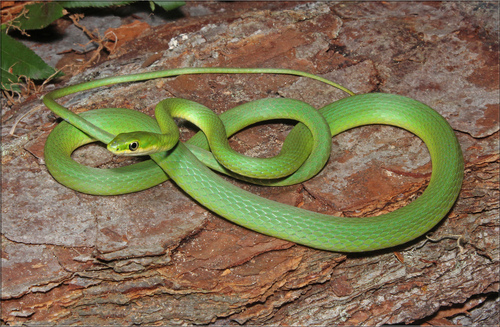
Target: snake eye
(133, 146)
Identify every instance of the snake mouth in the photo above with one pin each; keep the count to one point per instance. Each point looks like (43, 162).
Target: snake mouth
(117, 147)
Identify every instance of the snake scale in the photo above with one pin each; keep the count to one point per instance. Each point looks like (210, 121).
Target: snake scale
(190, 165)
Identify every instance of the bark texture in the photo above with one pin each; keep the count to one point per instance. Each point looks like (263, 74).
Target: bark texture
(157, 257)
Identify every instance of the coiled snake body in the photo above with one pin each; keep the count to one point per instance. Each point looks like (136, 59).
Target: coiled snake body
(305, 150)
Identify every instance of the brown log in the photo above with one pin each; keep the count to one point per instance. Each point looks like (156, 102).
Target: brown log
(157, 257)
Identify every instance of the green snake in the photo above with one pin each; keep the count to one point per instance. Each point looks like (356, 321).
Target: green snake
(190, 165)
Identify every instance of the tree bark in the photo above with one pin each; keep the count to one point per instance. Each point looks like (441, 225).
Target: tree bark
(157, 257)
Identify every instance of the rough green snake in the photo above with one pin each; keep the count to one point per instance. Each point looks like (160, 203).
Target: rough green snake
(182, 162)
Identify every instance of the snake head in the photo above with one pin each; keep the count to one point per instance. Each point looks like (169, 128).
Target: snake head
(141, 143)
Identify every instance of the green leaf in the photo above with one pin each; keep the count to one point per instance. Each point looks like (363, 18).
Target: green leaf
(8, 81)
(22, 61)
(169, 5)
(38, 15)
(86, 4)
